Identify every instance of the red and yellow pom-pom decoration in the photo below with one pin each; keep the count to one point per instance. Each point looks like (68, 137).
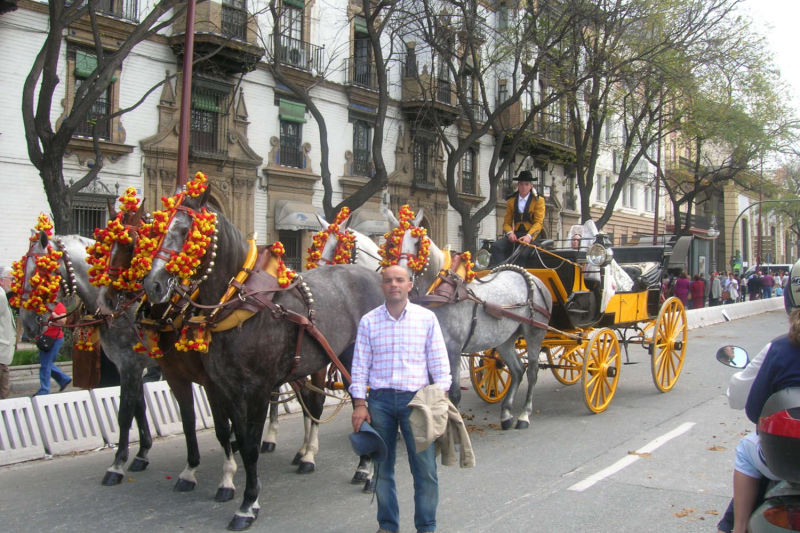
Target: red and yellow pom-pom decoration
(151, 338)
(84, 338)
(285, 274)
(194, 339)
(345, 243)
(391, 249)
(99, 253)
(184, 264)
(466, 257)
(45, 280)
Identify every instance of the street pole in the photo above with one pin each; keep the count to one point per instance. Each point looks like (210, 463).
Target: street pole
(658, 172)
(742, 212)
(760, 196)
(186, 97)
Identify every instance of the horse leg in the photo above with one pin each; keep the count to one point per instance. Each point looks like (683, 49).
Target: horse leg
(363, 470)
(509, 356)
(141, 461)
(534, 343)
(248, 432)
(182, 389)
(455, 374)
(315, 403)
(131, 395)
(222, 429)
(270, 439)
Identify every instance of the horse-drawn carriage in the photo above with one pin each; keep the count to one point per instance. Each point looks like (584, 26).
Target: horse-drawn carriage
(591, 317)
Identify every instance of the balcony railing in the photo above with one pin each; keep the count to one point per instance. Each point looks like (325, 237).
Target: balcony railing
(97, 116)
(299, 54)
(361, 73)
(361, 163)
(209, 122)
(477, 111)
(122, 9)
(234, 22)
(443, 92)
(468, 182)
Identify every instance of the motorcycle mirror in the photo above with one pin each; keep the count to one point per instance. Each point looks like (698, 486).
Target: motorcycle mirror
(733, 356)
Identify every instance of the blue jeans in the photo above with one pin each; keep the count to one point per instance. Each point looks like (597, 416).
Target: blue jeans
(48, 368)
(389, 409)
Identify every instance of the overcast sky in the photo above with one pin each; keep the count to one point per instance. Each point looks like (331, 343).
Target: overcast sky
(778, 20)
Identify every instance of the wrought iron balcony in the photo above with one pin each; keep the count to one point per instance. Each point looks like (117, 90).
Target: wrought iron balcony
(361, 73)
(477, 111)
(299, 54)
(234, 21)
(122, 9)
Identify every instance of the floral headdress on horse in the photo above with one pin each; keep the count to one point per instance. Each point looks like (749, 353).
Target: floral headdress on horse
(45, 280)
(391, 251)
(116, 232)
(202, 234)
(345, 243)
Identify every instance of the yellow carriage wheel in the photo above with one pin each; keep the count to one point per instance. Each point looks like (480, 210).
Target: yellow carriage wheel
(669, 344)
(489, 375)
(601, 368)
(566, 363)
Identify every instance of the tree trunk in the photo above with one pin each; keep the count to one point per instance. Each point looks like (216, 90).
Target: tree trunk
(58, 196)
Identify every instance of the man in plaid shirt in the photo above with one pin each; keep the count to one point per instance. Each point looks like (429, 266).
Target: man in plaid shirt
(399, 349)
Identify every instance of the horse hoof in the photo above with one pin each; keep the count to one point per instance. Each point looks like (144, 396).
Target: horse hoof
(240, 523)
(359, 478)
(111, 479)
(138, 465)
(506, 424)
(224, 494)
(522, 424)
(369, 486)
(305, 467)
(267, 447)
(297, 458)
(185, 486)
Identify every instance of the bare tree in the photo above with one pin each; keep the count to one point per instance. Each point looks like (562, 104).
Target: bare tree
(46, 142)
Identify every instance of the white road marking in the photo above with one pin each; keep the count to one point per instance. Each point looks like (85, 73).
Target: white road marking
(630, 459)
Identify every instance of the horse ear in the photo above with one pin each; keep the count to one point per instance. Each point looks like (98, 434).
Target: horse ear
(344, 224)
(112, 213)
(393, 222)
(322, 222)
(43, 239)
(137, 217)
(418, 218)
(206, 195)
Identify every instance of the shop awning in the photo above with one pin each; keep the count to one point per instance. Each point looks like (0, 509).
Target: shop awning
(369, 222)
(294, 215)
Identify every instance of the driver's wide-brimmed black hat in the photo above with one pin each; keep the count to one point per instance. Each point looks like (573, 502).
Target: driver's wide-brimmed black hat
(526, 175)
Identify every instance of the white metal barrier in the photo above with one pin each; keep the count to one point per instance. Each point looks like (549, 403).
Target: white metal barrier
(106, 402)
(20, 439)
(67, 422)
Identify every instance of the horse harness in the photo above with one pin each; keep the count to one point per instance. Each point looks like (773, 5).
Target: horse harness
(450, 287)
(252, 291)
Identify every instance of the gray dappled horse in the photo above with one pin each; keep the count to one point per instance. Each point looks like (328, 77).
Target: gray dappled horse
(468, 328)
(364, 254)
(247, 363)
(117, 338)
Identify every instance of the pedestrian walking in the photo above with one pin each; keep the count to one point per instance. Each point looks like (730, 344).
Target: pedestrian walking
(767, 282)
(715, 293)
(8, 334)
(697, 290)
(681, 289)
(399, 348)
(49, 343)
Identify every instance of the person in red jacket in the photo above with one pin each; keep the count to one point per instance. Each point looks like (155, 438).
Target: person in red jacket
(47, 359)
(697, 290)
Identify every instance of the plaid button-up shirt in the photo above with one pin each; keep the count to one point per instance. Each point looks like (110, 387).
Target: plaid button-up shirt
(399, 354)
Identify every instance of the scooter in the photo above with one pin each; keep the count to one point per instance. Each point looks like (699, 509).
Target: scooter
(779, 431)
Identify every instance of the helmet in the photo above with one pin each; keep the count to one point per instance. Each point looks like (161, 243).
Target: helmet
(779, 433)
(791, 293)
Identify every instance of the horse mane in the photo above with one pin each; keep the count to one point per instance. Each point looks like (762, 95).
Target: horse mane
(230, 255)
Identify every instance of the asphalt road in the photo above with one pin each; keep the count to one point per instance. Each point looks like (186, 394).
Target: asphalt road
(539, 479)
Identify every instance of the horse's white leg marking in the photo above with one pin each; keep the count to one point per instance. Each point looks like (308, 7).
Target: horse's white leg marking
(272, 427)
(116, 469)
(188, 474)
(228, 471)
(306, 438)
(313, 444)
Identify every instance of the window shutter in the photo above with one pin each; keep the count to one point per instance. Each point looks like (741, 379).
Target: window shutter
(85, 64)
(360, 24)
(292, 111)
(205, 102)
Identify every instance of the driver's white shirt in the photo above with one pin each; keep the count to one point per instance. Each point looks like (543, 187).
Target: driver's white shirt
(521, 203)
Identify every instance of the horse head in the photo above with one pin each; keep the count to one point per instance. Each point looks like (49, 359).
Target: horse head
(408, 244)
(43, 275)
(335, 241)
(184, 238)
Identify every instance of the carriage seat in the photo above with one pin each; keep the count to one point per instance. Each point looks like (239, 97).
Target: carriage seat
(644, 275)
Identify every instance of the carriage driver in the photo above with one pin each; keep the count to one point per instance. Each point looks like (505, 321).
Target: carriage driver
(523, 219)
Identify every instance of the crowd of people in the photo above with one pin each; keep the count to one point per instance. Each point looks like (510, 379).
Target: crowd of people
(723, 288)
